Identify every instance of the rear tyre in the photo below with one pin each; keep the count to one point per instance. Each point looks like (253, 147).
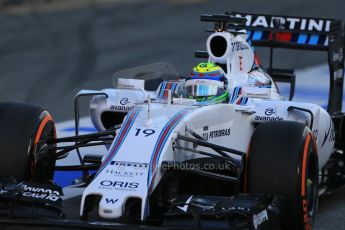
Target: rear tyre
(22, 128)
(282, 160)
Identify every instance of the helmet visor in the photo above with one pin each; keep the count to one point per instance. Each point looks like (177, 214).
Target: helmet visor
(204, 87)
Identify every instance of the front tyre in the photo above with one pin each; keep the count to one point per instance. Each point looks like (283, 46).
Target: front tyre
(23, 127)
(282, 160)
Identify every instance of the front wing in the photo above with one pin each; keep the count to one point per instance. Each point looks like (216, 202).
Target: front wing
(28, 205)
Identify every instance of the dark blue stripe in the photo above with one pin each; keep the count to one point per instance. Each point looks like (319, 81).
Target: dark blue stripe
(294, 37)
(322, 39)
(265, 35)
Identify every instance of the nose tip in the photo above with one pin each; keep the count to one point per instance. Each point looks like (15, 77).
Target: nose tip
(110, 207)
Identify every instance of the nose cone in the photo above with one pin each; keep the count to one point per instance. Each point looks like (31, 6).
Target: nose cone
(110, 207)
(136, 151)
(116, 184)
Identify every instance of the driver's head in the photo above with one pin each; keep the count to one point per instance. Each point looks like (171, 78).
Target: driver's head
(207, 83)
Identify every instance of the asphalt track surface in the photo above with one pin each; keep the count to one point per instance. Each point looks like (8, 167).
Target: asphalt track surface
(46, 56)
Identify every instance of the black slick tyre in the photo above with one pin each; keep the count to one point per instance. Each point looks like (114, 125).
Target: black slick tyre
(22, 129)
(282, 160)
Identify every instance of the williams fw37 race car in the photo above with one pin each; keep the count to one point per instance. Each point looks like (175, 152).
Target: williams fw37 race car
(217, 149)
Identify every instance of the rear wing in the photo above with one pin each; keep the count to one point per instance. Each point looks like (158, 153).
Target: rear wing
(292, 32)
(304, 33)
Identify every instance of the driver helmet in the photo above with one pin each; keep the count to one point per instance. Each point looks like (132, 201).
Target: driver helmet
(207, 84)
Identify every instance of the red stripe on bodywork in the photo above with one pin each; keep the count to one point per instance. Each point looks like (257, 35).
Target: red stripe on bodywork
(257, 60)
(167, 88)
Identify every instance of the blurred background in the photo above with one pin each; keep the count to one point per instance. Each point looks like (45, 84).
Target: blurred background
(50, 49)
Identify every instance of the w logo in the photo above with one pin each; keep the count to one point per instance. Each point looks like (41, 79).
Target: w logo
(111, 201)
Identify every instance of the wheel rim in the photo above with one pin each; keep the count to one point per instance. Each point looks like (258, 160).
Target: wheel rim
(311, 185)
(310, 197)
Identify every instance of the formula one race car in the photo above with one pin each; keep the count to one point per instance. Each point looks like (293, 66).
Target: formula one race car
(217, 149)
